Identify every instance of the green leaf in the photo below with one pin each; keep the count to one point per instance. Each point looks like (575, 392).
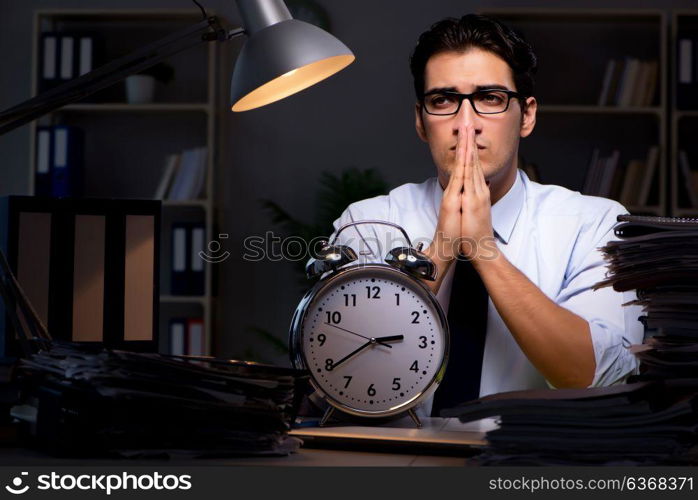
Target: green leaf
(279, 345)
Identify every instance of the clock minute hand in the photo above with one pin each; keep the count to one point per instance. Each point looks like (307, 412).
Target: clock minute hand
(376, 340)
(356, 351)
(357, 334)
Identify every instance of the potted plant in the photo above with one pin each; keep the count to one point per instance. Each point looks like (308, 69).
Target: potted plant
(140, 88)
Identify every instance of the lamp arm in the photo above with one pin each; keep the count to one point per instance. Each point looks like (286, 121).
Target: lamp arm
(208, 30)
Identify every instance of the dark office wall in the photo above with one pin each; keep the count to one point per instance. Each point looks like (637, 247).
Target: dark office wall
(361, 117)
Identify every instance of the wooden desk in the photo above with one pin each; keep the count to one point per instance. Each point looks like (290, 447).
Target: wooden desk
(305, 457)
(390, 445)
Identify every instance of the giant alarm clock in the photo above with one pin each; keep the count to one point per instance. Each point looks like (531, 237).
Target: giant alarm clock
(372, 336)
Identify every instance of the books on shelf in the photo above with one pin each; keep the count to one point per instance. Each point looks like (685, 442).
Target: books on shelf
(187, 264)
(167, 175)
(184, 176)
(687, 69)
(648, 175)
(58, 171)
(630, 184)
(690, 179)
(629, 82)
(601, 174)
(64, 56)
(187, 337)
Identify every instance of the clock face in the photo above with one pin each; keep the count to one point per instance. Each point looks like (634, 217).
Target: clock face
(374, 340)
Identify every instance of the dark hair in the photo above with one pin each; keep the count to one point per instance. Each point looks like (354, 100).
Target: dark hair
(474, 30)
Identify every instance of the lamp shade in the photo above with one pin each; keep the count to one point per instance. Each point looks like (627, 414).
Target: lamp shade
(282, 59)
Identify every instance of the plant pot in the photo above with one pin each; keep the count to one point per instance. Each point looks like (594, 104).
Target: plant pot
(140, 89)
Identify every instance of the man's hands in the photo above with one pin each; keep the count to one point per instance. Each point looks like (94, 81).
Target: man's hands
(465, 220)
(475, 213)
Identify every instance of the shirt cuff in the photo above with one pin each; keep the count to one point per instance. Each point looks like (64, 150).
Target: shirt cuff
(614, 362)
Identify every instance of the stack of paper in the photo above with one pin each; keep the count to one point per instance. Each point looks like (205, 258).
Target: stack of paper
(651, 420)
(658, 257)
(91, 402)
(641, 423)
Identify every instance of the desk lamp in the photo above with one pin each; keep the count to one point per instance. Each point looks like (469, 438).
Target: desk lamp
(281, 57)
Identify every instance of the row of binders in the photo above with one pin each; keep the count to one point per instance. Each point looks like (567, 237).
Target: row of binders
(687, 69)
(59, 161)
(630, 184)
(65, 56)
(690, 180)
(187, 263)
(184, 175)
(187, 337)
(629, 82)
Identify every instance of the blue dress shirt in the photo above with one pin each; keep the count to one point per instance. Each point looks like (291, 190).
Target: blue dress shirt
(552, 235)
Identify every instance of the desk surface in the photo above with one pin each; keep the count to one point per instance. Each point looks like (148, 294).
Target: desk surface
(441, 442)
(305, 457)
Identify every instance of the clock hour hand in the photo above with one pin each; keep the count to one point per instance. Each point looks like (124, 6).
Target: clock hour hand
(391, 338)
(358, 334)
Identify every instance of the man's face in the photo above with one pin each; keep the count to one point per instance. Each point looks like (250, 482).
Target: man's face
(497, 136)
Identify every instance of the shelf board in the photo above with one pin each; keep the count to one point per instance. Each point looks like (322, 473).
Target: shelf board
(686, 212)
(186, 203)
(125, 107)
(655, 209)
(689, 113)
(198, 299)
(123, 14)
(538, 13)
(613, 110)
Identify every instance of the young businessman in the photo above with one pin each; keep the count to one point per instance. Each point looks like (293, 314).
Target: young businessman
(534, 247)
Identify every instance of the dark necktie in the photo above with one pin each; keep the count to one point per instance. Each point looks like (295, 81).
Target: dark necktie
(467, 321)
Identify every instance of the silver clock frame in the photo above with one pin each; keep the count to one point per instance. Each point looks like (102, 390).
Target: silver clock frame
(298, 356)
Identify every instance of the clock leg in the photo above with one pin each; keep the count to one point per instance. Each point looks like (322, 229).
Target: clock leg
(327, 415)
(415, 418)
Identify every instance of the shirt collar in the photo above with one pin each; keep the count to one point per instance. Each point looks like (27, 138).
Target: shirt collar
(507, 209)
(505, 212)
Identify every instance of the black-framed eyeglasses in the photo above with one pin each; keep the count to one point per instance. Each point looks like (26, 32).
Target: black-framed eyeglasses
(484, 102)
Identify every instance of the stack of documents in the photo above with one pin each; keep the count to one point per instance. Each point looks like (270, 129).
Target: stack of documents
(89, 401)
(633, 424)
(649, 421)
(658, 256)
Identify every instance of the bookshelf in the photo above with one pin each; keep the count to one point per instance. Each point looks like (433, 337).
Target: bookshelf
(574, 47)
(684, 116)
(126, 144)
